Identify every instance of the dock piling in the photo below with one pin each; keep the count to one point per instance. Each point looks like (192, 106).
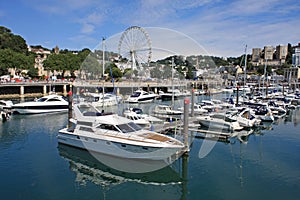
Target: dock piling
(70, 114)
(192, 102)
(237, 95)
(186, 124)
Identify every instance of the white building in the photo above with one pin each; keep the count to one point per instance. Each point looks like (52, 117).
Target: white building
(296, 55)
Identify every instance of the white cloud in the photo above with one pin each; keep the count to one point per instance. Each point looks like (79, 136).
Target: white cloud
(87, 28)
(221, 27)
(61, 7)
(225, 32)
(90, 22)
(81, 41)
(95, 18)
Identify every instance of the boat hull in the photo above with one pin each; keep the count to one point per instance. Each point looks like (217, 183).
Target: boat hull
(37, 110)
(46, 104)
(118, 149)
(214, 123)
(141, 100)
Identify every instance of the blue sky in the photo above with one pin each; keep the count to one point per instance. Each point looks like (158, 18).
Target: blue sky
(222, 28)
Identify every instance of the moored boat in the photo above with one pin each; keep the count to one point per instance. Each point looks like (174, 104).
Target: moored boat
(115, 135)
(141, 96)
(218, 123)
(144, 120)
(103, 100)
(46, 104)
(6, 104)
(166, 112)
(244, 117)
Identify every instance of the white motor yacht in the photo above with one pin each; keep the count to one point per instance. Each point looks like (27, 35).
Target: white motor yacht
(277, 110)
(166, 111)
(244, 117)
(98, 100)
(6, 104)
(197, 109)
(261, 110)
(142, 119)
(218, 123)
(176, 93)
(210, 106)
(118, 136)
(46, 104)
(141, 96)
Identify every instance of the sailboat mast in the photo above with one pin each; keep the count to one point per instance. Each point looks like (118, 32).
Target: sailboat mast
(172, 81)
(245, 75)
(103, 66)
(103, 57)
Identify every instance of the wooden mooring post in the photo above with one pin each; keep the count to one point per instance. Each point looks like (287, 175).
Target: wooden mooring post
(186, 124)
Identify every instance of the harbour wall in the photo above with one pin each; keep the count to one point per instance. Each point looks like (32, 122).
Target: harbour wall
(19, 90)
(35, 89)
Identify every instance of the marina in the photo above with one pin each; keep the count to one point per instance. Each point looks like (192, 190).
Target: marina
(220, 164)
(203, 102)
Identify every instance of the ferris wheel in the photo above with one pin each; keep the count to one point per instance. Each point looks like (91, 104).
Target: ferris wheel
(135, 46)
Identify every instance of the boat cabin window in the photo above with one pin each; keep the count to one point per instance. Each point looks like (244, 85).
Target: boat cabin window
(42, 99)
(137, 110)
(53, 100)
(136, 94)
(130, 127)
(108, 127)
(82, 128)
(135, 126)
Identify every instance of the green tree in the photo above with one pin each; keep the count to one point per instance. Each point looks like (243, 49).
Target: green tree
(83, 54)
(12, 59)
(33, 72)
(10, 41)
(261, 69)
(127, 73)
(53, 62)
(62, 62)
(113, 71)
(91, 68)
(279, 71)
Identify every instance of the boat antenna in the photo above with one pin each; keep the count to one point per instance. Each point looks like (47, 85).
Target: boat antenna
(245, 78)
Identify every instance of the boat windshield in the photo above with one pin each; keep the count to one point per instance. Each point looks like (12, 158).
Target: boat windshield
(137, 110)
(136, 94)
(42, 99)
(130, 127)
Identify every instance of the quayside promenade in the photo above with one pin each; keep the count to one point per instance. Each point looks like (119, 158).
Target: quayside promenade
(28, 89)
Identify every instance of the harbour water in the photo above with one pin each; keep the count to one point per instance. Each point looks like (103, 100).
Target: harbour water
(264, 165)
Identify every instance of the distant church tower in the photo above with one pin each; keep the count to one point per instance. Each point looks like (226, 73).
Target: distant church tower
(56, 50)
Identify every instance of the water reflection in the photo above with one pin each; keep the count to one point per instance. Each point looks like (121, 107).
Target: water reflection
(88, 168)
(20, 127)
